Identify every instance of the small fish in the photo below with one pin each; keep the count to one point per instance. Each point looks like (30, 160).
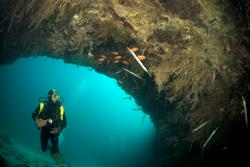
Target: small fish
(209, 138)
(141, 57)
(134, 74)
(115, 53)
(245, 110)
(101, 59)
(116, 61)
(134, 49)
(120, 82)
(222, 109)
(204, 124)
(118, 57)
(103, 56)
(125, 62)
(90, 69)
(136, 109)
(129, 97)
(118, 72)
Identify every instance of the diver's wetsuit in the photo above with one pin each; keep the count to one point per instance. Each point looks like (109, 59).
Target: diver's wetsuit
(53, 111)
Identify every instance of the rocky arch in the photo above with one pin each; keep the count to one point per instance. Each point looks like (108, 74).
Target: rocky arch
(196, 52)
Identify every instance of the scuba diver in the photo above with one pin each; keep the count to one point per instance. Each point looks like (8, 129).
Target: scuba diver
(50, 118)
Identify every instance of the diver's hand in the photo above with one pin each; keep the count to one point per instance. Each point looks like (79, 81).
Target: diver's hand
(41, 123)
(55, 130)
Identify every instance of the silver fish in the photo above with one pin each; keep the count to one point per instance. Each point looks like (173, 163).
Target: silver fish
(245, 110)
(132, 73)
(204, 124)
(209, 138)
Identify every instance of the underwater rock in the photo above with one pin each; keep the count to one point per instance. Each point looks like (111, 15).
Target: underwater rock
(3, 161)
(5, 139)
(13, 156)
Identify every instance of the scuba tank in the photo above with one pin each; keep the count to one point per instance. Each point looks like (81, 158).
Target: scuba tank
(47, 102)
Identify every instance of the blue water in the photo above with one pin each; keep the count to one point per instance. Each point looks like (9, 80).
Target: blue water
(103, 129)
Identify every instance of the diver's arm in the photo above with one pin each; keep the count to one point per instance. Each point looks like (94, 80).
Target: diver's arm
(38, 110)
(61, 123)
(35, 113)
(64, 121)
(36, 116)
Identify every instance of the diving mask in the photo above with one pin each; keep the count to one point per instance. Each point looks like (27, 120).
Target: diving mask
(55, 97)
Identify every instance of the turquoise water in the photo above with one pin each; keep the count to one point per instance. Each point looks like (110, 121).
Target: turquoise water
(103, 129)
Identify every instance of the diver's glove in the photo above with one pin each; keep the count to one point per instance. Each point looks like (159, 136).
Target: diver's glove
(41, 122)
(55, 130)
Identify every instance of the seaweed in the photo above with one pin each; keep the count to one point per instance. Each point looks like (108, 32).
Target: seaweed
(185, 78)
(47, 9)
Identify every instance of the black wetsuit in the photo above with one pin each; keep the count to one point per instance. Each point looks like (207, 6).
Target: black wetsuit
(52, 111)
